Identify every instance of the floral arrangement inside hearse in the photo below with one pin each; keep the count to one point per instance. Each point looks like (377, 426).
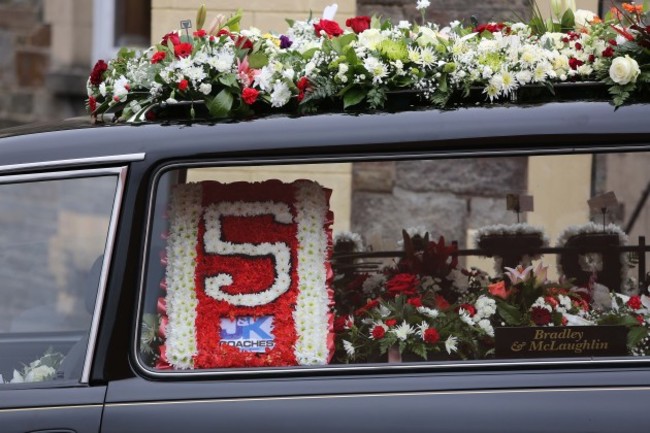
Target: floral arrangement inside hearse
(252, 276)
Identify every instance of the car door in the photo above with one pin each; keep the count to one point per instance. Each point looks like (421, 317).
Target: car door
(56, 232)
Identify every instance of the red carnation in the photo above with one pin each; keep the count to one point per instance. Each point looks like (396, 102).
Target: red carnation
(609, 52)
(199, 33)
(302, 85)
(471, 310)
(551, 301)
(541, 316)
(249, 95)
(358, 24)
(92, 104)
(183, 85)
(403, 284)
(634, 302)
(490, 27)
(331, 28)
(97, 75)
(341, 323)
(378, 332)
(158, 57)
(391, 322)
(223, 32)
(243, 43)
(575, 63)
(431, 336)
(173, 37)
(183, 50)
(416, 302)
(442, 303)
(370, 305)
(640, 319)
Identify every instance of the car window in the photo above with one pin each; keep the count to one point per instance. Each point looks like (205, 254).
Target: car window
(52, 238)
(393, 261)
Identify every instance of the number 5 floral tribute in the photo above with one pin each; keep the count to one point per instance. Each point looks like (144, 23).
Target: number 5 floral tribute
(320, 64)
(247, 276)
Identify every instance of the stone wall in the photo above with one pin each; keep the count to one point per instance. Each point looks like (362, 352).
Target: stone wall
(447, 197)
(24, 59)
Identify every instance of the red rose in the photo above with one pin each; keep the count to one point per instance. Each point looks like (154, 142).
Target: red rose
(416, 302)
(609, 52)
(199, 33)
(183, 85)
(173, 37)
(391, 322)
(540, 316)
(358, 24)
(249, 95)
(183, 50)
(92, 104)
(331, 28)
(471, 310)
(634, 302)
(431, 336)
(578, 46)
(97, 75)
(158, 57)
(223, 32)
(403, 284)
(378, 332)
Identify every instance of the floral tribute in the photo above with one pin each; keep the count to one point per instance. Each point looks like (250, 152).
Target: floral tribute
(320, 63)
(428, 308)
(247, 276)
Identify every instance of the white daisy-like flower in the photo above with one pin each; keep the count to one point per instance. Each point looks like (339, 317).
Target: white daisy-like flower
(403, 331)
(376, 68)
(451, 344)
(349, 348)
(429, 312)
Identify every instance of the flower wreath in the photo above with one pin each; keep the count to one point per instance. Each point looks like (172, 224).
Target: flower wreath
(510, 230)
(593, 261)
(248, 253)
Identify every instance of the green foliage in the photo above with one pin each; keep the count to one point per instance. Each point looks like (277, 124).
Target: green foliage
(220, 105)
(353, 97)
(509, 313)
(376, 98)
(636, 335)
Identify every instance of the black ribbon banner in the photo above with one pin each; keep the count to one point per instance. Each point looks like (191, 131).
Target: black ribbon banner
(560, 341)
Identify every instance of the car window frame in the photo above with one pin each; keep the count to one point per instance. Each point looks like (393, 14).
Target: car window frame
(365, 155)
(120, 175)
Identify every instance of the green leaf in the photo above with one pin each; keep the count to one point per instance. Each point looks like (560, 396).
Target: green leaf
(568, 21)
(509, 313)
(228, 80)
(258, 60)
(375, 22)
(233, 21)
(353, 97)
(309, 53)
(290, 22)
(636, 335)
(419, 349)
(221, 104)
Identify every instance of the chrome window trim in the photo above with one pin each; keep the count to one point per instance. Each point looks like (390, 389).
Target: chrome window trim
(120, 174)
(132, 157)
(103, 277)
(318, 159)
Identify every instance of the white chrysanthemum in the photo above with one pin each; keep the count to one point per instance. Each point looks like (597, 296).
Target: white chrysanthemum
(404, 24)
(349, 348)
(402, 331)
(429, 312)
(223, 60)
(451, 344)
(205, 88)
(465, 317)
(427, 57)
(280, 95)
(121, 88)
(102, 89)
(376, 68)
(485, 307)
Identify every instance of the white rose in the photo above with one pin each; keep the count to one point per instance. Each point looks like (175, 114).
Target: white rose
(371, 38)
(624, 70)
(583, 18)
